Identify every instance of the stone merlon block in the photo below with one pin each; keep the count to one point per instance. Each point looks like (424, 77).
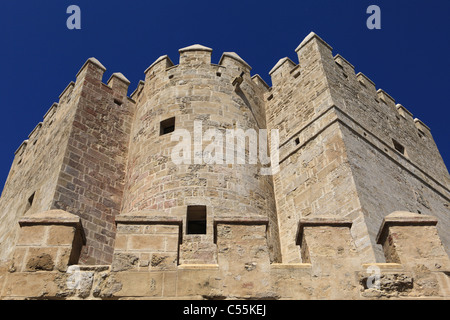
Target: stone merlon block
(280, 63)
(93, 68)
(119, 76)
(341, 60)
(421, 126)
(404, 112)
(383, 95)
(412, 239)
(47, 240)
(255, 220)
(195, 55)
(163, 62)
(403, 218)
(53, 217)
(119, 83)
(235, 58)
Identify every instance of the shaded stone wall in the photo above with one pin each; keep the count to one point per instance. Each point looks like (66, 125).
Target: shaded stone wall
(33, 176)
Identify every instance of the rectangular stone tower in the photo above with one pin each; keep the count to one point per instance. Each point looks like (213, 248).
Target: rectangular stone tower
(347, 149)
(74, 160)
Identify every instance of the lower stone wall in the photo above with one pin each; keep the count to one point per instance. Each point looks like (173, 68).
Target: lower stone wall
(145, 264)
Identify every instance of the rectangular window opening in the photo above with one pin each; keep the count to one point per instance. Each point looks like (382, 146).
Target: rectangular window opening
(167, 126)
(196, 220)
(399, 147)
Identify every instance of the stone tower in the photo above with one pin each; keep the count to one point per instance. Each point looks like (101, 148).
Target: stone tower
(95, 185)
(348, 149)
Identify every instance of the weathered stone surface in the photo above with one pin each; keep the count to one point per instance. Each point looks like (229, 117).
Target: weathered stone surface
(390, 285)
(42, 261)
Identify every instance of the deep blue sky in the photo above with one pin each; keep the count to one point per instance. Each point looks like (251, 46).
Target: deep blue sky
(39, 56)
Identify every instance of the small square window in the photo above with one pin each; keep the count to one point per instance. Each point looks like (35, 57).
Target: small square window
(196, 220)
(398, 147)
(167, 126)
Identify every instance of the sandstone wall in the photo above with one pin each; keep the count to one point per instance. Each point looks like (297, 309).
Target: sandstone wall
(349, 150)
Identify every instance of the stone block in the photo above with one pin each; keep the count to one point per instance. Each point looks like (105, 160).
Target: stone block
(146, 242)
(60, 235)
(41, 259)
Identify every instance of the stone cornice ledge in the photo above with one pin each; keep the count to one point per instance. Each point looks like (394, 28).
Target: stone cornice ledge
(319, 221)
(145, 217)
(51, 217)
(241, 220)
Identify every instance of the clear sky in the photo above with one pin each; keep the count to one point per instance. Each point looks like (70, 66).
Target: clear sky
(408, 57)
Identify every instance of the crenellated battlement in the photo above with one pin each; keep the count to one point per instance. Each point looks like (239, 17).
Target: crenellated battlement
(91, 69)
(230, 63)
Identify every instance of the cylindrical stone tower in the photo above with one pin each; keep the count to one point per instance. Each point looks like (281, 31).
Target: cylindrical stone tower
(220, 97)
